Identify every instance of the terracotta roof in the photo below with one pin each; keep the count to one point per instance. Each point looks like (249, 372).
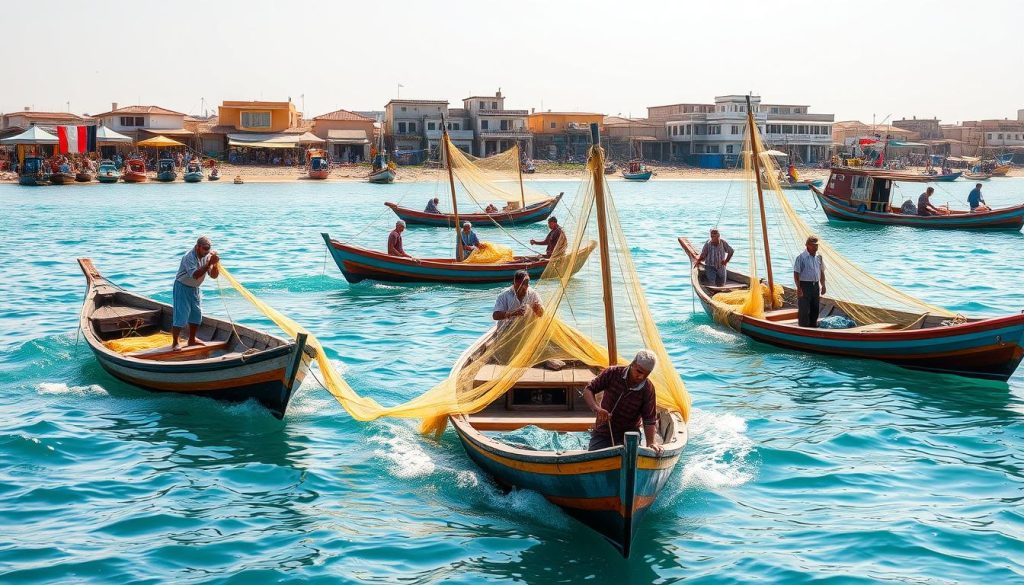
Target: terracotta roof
(225, 129)
(58, 115)
(139, 110)
(342, 115)
(567, 114)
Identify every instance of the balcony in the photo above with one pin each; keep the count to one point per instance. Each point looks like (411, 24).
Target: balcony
(783, 139)
(503, 113)
(521, 133)
(453, 134)
(782, 118)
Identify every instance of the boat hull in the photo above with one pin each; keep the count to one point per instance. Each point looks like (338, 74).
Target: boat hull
(1010, 218)
(358, 264)
(193, 177)
(166, 177)
(319, 174)
(61, 178)
(83, 177)
(984, 348)
(527, 215)
(802, 185)
(108, 178)
(637, 176)
(383, 176)
(946, 178)
(130, 177)
(32, 181)
(610, 490)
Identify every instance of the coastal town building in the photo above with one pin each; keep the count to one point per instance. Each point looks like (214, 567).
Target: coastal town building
(626, 138)
(562, 135)
(848, 132)
(495, 128)
(263, 125)
(348, 135)
(17, 122)
(922, 128)
(142, 122)
(405, 123)
(712, 135)
(460, 130)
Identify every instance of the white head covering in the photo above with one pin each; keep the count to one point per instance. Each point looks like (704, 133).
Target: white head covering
(645, 359)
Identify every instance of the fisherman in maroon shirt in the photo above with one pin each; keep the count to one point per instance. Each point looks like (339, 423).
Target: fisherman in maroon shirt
(628, 400)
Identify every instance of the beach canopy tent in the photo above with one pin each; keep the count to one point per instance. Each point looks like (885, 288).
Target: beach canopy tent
(159, 142)
(273, 140)
(34, 135)
(774, 153)
(905, 144)
(106, 135)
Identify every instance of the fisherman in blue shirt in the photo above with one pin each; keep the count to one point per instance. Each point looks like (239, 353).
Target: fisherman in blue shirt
(976, 201)
(469, 240)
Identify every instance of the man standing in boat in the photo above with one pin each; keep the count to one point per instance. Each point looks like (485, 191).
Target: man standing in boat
(188, 298)
(555, 240)
(809, 277)
(715, 254)
(515, 301)
(470, 241)
(629, 400)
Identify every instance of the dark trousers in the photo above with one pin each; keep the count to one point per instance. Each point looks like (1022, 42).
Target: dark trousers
(809, 305)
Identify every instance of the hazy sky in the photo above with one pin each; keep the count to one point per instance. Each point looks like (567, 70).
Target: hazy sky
(955, 60)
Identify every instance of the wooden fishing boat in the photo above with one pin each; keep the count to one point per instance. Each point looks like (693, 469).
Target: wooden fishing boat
(610, 168)
(31, 172)
(318, 165)
(977, 176)
(165, 171)
(107, 172)
(238, 180)
(637, 171)
(609, 490)
(940, 178)
(864, 195)
(385, 175)
(358, 263)
(524, 215)
(999, 170)
(382, 169)
(978, 348)
(83, 177)
(214, 175)
(193, 172)
(62, 178)
(134, 171)
(801, 184)
(235, 364)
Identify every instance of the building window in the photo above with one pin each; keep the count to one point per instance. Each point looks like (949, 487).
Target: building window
(403, 108)
(735, 129)
(728, 149)
(483, 106)
(554, 125)
(714, 129)
(713, 149)
(401, 127)
(494, 105)
(483, 124)
(132, 121)
(455, 126)
(504, 125)
(1000, 136)
(689, 129)
(675, 131)
(412, 127)
(255, 119)
(698, 148)
(431, 126)
(775, 110)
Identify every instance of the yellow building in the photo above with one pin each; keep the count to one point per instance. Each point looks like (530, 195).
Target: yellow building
(259, 116)
(562, 136)
(560, 122)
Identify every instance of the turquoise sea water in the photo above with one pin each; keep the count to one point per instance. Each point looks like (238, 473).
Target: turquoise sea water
(800, 468)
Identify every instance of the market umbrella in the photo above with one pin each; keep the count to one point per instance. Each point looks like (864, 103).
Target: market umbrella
(34, 135)
(159, 142)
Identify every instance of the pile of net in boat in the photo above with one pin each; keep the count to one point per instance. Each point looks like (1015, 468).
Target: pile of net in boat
(864, 298)
(571, 327)
(133, 344)
(488, 253)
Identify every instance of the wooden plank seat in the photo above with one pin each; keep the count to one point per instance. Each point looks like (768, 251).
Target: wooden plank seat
(727, 287)
(190, 351)
(111, 318)
(781, 315)
(565, 421)
(538, 377)
(872, 327)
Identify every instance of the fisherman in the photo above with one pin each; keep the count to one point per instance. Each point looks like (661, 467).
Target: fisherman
(469, 240)
(432, 206)
(715, 254)
(808, 274)
(188, 298)
(924, 205)
(395, 241)
(628, 401)
(976, 201)
(555, 240)
(515, 301)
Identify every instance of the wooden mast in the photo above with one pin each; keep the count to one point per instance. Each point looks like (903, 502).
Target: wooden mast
(755, 156)
(597, 174)
(451, 183)
(519, 167)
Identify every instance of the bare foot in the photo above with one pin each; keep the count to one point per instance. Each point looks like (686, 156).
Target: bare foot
(196, 342)
(175, 347)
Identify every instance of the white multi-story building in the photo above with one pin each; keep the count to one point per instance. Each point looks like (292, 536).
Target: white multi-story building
(497, 129)
(405, 121)
(141, 121)
(718, 129)
(460, 130)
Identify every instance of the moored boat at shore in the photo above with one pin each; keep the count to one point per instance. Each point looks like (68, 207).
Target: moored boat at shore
(864, 195)
(318, 166)
(637, 170)
(31, 172)
(234, 363)
(134, 171)
(62, 178)
(193, 172)
(107, 172)
(165, 171)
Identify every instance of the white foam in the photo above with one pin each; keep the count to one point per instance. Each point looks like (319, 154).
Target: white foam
(408, 458)
(58, 388)
(720, 452)
(716, 333)
(466, 479)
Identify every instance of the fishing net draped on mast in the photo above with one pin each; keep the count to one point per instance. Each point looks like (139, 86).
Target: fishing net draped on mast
(860, 295)
(571, 327)
(495, 178)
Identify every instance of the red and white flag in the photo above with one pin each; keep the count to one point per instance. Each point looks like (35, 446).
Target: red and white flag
(73, 139)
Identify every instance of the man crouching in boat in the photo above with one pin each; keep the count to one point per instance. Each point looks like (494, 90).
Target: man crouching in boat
(628, 400)
(188, 298)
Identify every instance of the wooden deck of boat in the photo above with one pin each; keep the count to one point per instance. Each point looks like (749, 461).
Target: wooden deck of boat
(538, 376)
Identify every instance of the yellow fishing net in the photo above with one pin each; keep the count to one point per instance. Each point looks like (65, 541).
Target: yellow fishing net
(571, 327)
(858, 294)
(748, 304)
(496, 178)
(131, 344)
(488, 253)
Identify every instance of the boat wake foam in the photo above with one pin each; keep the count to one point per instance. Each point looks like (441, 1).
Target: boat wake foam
(721, 455)
(402, 449)
(60, 388)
